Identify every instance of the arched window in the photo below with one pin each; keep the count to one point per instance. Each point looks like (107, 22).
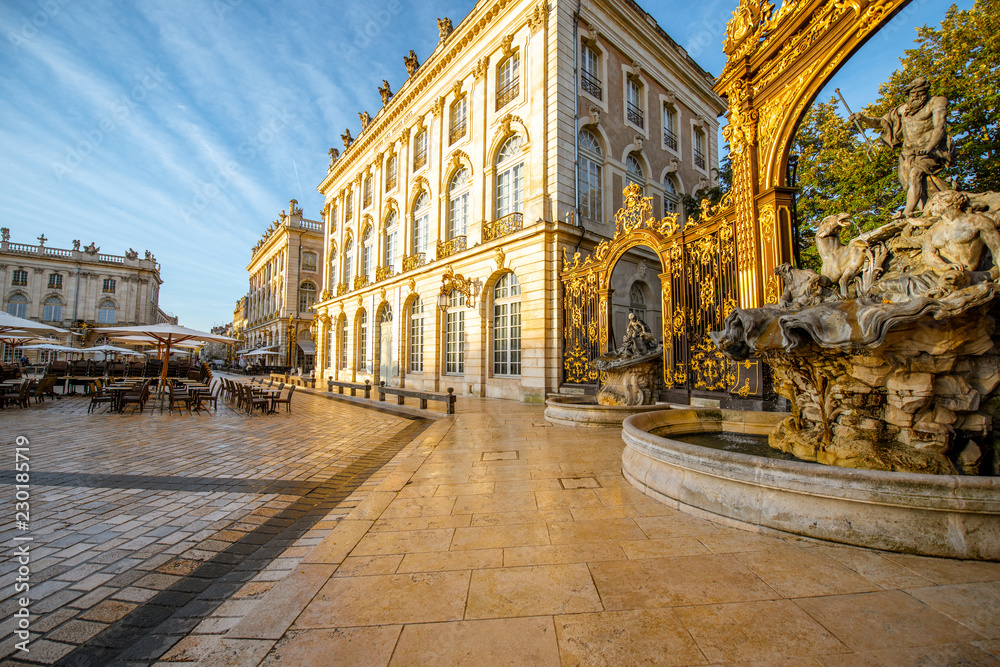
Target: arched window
(17, 305)
(420, 149)
(416, 336)
(508, 80)
(362, 342)
(591, 177)
(349, 262)
(634, 172)
(458, 204)
(507, 326)
(670, 197)
(454, 334)
(342, 335)
(368, 191)
(307, 296)
(637, 300)
(331, 282)
(107, 312)
(510, 177)
(421, 222)
(391, 241)
(52, 309)
(368, 254)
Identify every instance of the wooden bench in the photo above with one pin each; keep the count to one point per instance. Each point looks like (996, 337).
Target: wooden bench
(353, 386)
(424, 396)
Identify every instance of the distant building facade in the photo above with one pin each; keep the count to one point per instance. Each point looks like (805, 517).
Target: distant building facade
(285, 279)
(446, 218)
(79, 288)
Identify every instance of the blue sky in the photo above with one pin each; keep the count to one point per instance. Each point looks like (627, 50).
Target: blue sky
(184, 127)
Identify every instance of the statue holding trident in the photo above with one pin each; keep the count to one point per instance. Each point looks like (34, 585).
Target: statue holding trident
(919, 127)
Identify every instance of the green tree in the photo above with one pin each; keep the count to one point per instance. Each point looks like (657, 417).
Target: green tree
(961, 60)
(692, 202)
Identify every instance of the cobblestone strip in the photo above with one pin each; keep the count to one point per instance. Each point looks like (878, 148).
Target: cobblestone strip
(149, 630)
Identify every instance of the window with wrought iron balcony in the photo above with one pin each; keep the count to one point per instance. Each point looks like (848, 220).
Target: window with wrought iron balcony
(591, 85)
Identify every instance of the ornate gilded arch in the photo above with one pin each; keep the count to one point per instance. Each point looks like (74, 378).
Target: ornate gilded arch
(777, 63)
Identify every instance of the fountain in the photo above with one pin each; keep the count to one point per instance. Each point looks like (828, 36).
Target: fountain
(629, 387)
(890, 357)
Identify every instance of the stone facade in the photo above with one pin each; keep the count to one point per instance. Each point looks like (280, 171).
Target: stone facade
(446, 217)
(285, 279)
(79, 289)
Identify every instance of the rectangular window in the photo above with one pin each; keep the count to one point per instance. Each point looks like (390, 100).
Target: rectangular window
(343, 344)
(20, 278)
(591, 205)
(699, 149)
(55, 281)
(509, 191)
(508, 81)
(454, 345)
(590, 79)
(109, 286)
(17, 306)
(669, 131)
(633, 103)
(507, 338)
(368, 192)
(106, 315)
(391, 172)
(458, 120)
(349, 204)
(309, 261)
(52, 312)
(420, 150)
(416, 339)
(458, 215)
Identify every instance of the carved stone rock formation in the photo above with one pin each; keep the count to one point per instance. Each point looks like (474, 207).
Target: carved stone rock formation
(629, 381)
(896, 370)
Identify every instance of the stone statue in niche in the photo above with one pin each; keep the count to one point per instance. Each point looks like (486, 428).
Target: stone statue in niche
(919, 128)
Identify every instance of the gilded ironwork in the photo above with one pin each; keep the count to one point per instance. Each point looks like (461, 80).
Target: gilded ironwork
(697, 286)
(361, 281)
(382, 272)
(510, 223)
(414, 261)
(451, 246)
(342, 289)
(467, 287)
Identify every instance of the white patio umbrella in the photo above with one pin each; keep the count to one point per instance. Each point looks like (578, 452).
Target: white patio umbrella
(14, 329)
(168, 335)
(110, 349)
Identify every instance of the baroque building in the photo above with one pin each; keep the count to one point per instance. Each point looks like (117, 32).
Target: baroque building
(79, 288)
(446, 218)
(285, 274)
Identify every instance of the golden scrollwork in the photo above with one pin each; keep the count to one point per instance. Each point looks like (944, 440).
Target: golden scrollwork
(467, 287)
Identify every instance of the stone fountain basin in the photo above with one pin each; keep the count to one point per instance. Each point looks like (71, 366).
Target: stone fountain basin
(585, 411)
(933, 515)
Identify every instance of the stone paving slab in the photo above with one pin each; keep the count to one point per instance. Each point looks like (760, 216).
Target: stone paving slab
(490, 538)
(148, 527)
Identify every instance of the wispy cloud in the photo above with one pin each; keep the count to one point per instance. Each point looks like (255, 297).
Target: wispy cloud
(247, 97)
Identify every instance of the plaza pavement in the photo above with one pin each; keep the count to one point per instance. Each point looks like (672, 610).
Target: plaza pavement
(342, 535)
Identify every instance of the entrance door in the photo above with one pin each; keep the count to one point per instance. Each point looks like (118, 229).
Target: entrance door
(387, 350)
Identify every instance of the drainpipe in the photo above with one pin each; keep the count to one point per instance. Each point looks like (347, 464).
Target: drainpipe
(76, 295)
(576, 114)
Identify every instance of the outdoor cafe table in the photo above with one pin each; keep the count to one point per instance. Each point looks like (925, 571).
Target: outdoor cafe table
(117, 391)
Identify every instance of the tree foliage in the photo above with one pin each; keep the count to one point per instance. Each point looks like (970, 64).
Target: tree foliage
(961, 60)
